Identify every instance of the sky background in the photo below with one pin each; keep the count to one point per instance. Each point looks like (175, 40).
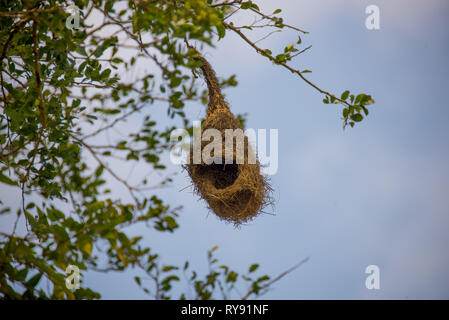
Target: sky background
(374, 194)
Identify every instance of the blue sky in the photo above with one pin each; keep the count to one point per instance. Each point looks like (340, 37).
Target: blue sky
(374, 194)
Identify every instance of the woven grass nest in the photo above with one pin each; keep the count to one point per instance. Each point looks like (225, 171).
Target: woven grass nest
(236, 192)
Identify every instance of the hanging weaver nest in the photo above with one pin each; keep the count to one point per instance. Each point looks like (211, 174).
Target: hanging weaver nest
(235, 190)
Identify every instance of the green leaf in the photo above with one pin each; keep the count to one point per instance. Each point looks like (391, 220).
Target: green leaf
(232, 277)
(255, 6)
(253, 267)
(364, 99)
(263, 278)
(289, 47)
(105, 74)
(99, 171)
(169, 268)
(54, 214)
(365, 110)
(221, 31)
(277, 11)
(175, 81)
(7, 180)
(246, 5)
(86, 246)
(345, 95)
(357, 117)
(81, 50)
(22, 274)
(281, 57)
(33, 281)
(171, 222)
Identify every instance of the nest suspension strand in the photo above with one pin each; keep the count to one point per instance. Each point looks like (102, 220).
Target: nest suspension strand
(236, 192)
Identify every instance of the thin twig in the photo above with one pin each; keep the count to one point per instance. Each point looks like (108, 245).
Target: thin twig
(273, 59)
(279, 277)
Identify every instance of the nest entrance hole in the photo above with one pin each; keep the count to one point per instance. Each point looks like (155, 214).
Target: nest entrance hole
(221, 175)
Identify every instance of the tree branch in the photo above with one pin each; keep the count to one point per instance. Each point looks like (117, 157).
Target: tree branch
(273, 59)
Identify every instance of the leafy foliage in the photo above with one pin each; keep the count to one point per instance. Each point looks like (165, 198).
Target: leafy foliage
(220, 281)
(63, 91)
